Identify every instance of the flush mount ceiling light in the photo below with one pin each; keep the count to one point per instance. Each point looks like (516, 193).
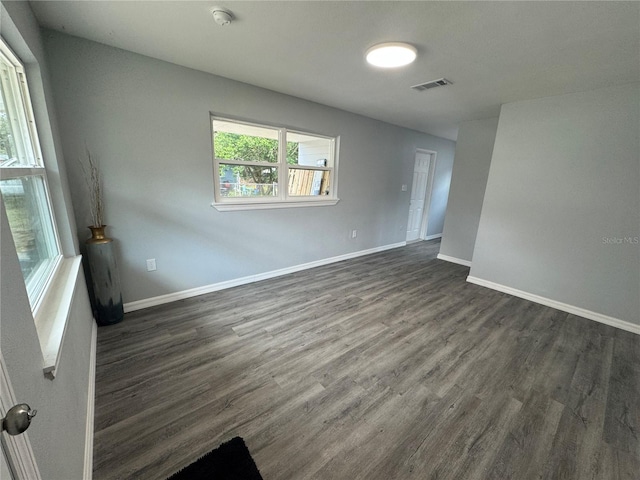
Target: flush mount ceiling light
(391, 54)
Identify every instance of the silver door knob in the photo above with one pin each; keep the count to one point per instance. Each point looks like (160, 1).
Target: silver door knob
(18, 419)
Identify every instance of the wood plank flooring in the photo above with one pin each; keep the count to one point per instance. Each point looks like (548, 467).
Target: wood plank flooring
(388, 366)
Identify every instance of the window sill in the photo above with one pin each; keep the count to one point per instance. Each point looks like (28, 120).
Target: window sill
(52, 315)
(228, 207)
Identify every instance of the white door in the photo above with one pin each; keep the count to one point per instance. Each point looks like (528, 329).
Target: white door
(16, 449)
(4, 467)
(17, 461)
(418, 195)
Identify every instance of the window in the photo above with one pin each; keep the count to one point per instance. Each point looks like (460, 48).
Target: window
(260, 166)
(23, 182)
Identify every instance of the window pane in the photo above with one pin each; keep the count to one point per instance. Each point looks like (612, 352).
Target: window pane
(8, 149)
(308, 150)
(248, 181)
(309, 182)
(236, 141)
(15, 147)
(29, 216)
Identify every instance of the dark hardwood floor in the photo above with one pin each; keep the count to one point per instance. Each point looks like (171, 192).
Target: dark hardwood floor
(388, 366)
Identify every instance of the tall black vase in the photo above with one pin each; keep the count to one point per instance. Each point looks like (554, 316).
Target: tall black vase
(105, 278)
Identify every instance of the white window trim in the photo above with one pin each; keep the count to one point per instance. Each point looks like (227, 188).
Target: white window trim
(230, 207)
(35, 168)
(52, 307)
(21, 84)
(52, 316)
(282, 200)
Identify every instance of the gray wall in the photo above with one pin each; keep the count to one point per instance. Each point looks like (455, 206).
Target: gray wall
(58, 432)
(468, 182)
(564, 179)
(147, 122)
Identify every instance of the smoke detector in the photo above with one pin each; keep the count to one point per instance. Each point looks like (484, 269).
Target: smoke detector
(222, 16)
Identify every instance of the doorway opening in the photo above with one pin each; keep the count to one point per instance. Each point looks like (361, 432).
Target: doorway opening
(422, 184)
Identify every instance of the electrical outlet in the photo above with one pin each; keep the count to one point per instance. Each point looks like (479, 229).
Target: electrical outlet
(354, 233)
(151, 265)
(404, 187)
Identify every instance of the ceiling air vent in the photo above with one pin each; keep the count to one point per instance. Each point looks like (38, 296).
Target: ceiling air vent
(441, 82)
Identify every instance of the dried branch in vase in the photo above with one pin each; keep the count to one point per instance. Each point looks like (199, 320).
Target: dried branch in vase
(91, 172)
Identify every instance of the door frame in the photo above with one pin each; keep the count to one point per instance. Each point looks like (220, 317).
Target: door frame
(22, 461)
(424, 221)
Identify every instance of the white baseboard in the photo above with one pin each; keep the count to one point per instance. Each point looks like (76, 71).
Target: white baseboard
(91, 393)
(433, 237)
(581, 312)
(194, 292)
(459, 261)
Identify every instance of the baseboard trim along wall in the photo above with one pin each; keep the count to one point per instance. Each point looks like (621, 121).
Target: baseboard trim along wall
(459, 261)
(194, 292)
(91, 394)
(433, 237)
(581, 312)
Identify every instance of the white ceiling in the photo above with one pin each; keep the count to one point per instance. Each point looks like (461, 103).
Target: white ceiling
(493, 52)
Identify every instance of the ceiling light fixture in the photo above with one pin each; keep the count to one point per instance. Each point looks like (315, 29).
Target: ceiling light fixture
(221, 16)
(391, 54)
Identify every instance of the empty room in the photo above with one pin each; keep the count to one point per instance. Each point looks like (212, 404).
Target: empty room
(323, 240)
